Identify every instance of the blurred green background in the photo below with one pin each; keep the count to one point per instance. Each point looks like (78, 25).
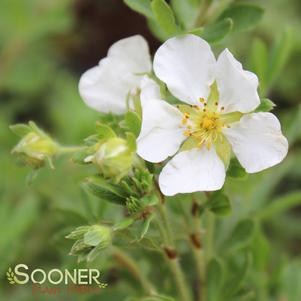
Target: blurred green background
(44, 47)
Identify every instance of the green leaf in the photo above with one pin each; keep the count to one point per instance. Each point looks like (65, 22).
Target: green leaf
(133, 122)
(185, 11)
(123, 224)
(259, 60)
(235, 170)
(20, 129)
(157, 30)
(165, 16)
(78, 232)
(244, 296)
(280, 205)
(104, 131)
(266, 105)
(131, 141)
(219, 203)
(214, 279)
(244, 15)
(142, 7)
(217, 31)
(145, 227)
(280, 54)
(260, 249)
(104, 190)
(233, 284)
(241, 235)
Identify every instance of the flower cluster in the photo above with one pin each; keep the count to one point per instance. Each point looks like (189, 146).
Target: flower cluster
(214, 116)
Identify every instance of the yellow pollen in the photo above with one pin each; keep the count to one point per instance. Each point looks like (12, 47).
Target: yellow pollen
(208, 123)
(202, 100)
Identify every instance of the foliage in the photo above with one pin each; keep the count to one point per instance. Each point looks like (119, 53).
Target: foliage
(252, 226)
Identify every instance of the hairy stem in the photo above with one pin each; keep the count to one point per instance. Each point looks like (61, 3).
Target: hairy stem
(170, 252)
(125, 260)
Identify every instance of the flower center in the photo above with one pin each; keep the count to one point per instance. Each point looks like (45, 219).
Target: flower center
(203, 125)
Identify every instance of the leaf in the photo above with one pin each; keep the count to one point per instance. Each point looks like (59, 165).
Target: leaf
(266, 105)
(185, 11)
(279, 55)
(142, 7)
(219, 203)
(20, 129)
(280, 205)
(131, 141)
(241, 235)
(244, 15)
(104, 131)
(233, 284)
(214, 279)
(123, 224)
(259, 60)
(133, 122)
(165, 16)
(235, 170)
(260, 249)
(145, 227)
(105, 190)
(78, 232)
(217, 31)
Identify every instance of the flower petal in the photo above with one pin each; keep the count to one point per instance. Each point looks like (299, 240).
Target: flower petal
(149, 89)
(237, 87)
(191, 171)
(106, 86)
(257, 141)
(161, 135)
(186, 64)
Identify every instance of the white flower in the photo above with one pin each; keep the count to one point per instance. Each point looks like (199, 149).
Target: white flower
(107, 86)
(216, 119)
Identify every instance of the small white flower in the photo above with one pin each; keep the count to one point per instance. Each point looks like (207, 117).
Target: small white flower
(217, 118)
(107, 86)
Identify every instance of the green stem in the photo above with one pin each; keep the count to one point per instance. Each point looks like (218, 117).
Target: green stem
(125, 260)
(210, 225)
(69, 149)
(171, 258)
(196, 246)
(174, 266)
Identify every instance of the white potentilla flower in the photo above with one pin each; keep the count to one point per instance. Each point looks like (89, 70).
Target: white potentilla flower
(216, 120)
(107, 86)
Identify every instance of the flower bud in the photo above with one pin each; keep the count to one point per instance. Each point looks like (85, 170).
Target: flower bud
(35, 147)
(114, 157)
(90, 240)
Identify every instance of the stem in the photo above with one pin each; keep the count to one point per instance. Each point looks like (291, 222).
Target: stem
(125, 260)
(210, 225)
(196, 245)
(69, 149)
(170, 252)
(173, 264)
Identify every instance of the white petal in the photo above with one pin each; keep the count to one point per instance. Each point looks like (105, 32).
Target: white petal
(237, 87)
(161, 135)
(134, 51)
(186, 64)
(257, 141)
(191, 171)
(149, 89)
(106, 86)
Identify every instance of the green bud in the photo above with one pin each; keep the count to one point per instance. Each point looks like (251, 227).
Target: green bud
(98, 236)
(35, 147)
(90, 241)
(114, 158)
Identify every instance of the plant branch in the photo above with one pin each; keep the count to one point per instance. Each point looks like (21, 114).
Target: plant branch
(125, 260)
